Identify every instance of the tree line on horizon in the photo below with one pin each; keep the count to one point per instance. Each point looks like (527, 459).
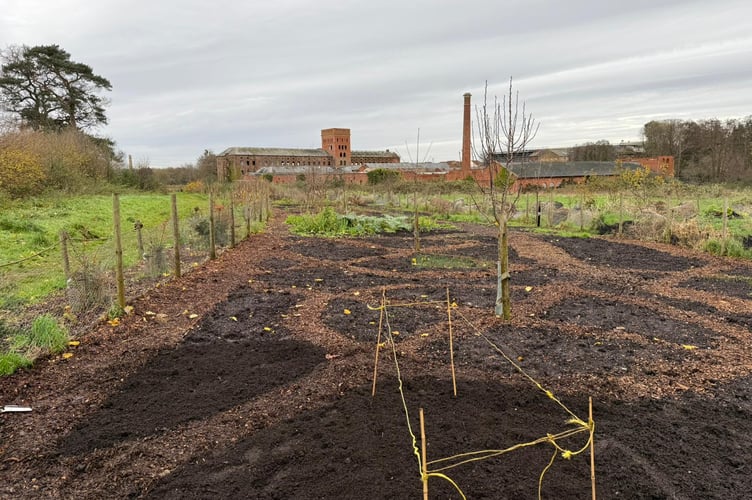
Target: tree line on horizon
(704, 150)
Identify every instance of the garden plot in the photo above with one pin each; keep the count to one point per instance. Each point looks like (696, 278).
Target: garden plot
(218, 407)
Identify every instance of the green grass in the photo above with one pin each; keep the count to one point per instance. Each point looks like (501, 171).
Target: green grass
(12, 361)
(45, 334)
(31, 226)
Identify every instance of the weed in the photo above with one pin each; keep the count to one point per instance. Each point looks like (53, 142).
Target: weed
(45, 334)
(12, 361)
(115, 311)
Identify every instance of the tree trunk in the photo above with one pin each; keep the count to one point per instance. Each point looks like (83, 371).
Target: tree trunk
(503, 307)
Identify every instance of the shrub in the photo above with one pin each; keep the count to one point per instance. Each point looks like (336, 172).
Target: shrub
(20, 172)
(195, 187)
(88, 287)
(382, 175)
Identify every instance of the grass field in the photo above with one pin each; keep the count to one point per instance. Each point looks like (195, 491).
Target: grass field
(30, 258)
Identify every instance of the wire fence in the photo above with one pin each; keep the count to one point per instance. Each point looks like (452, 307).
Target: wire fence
(88, 266)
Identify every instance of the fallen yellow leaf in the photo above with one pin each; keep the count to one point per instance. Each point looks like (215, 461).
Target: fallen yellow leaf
(193, 316)
(395, 332)
(347, 311)
(74, 343)
(267, 329)
(689, 347)
(528, 288)
(67, 355)
(114, 322)
(424, 335)
(233, 318)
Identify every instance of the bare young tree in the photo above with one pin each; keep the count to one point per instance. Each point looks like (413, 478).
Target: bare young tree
(504, 129)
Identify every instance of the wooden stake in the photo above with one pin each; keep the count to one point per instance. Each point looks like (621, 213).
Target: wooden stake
(451, 343)
(592, 450)
(212, 240)
(118, 251)
(138, 225)
(424, 465)
(378, 341)
(175, 235)
(232, 222)
(247, 214)
(64, 251)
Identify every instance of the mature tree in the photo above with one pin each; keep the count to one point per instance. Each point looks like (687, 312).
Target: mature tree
(207, 167)
(594, 151)
(704, 150)
(46, 90)
(504, 130)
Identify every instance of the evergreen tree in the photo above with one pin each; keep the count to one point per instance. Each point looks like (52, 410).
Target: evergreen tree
(46, 90)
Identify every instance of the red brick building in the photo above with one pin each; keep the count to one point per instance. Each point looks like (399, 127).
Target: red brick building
(335, 151)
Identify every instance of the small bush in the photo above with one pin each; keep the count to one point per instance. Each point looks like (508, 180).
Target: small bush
(727, 248)
(12, 361)
(88, 287)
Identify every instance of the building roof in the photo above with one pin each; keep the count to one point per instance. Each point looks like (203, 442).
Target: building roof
(304, 169)
(569, 169)
(423, 167)
(243, 151)
(383, 154)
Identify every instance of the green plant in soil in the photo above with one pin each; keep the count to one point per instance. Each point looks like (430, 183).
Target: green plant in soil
(12, 361)
(45, 334)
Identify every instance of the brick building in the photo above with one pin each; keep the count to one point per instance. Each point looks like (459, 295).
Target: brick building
(335, 151)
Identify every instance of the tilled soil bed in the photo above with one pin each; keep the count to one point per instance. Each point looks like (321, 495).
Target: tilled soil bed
(252, 376)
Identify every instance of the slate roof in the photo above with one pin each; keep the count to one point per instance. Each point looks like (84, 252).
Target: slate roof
(423, 167)
(383, 154)
(241, 151)
(569, 169)
(304, 169)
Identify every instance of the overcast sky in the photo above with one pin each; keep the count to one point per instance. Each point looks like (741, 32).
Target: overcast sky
(195, 75)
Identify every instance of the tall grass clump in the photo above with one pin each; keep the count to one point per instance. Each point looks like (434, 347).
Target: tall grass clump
(12, 361)
(729, 247)
(45, 335)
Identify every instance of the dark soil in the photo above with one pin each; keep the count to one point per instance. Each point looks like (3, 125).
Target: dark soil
(251, 377)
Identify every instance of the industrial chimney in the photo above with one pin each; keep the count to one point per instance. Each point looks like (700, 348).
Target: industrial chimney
(466, 137)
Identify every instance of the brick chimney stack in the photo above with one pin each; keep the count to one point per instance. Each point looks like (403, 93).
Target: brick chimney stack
(466, 136)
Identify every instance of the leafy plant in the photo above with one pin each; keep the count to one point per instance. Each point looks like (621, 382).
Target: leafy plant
(329, 223)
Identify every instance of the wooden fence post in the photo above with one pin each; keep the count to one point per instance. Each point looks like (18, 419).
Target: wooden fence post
(247, 215)
(232, 221)
(64, 251)
(175, 234)
(212, 243)
(118, 251)
(138, 226)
